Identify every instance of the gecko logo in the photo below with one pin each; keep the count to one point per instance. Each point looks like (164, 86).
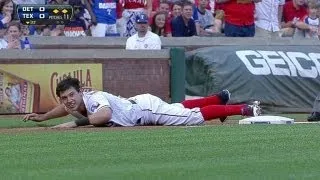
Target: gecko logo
(280, 63)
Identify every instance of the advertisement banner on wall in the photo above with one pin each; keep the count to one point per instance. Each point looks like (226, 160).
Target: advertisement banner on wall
(285, 79)
(26, 88)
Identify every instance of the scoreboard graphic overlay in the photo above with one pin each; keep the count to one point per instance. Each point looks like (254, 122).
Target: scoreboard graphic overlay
(44, 14)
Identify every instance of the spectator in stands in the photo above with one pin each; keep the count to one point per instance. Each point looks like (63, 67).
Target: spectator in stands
(103, 17)
(155, 6)
(56, 2)
(12, 39)
(294, 13)
(239, 17)
(164, 8)
(25, 30)
(194, 14)
(176, 9)
(6, 14)
(210, 6)
(120, 19)
(313, 21)
(206, 19)
(219, 20)
(159, 24)
(184, 25)
(46, 30)
(29, 2)
(132, 9)
(143, 39)
(40, 30)
(268, 17)
(78, 25)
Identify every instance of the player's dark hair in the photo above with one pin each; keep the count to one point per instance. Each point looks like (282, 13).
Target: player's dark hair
(66, 84)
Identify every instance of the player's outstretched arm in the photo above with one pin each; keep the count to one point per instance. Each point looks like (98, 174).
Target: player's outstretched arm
(101, 117)
(56, 112)
(79, 122)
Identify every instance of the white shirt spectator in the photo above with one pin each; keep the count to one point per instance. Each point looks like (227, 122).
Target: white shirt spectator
(3, 44)
(267, 14)
(206, 19)
(149, 41)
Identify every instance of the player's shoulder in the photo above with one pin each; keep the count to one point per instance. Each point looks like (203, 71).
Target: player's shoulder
(89, 94)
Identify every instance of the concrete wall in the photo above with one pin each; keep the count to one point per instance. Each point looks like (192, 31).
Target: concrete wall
(189, 43)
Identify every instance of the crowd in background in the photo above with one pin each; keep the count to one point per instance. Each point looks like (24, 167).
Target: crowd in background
(176, 18)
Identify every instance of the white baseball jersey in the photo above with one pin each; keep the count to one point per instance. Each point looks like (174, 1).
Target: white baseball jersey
(148, 110)
(123, 111)
(149, 41)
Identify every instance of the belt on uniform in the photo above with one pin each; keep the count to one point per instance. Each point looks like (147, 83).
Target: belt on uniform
(132, 101)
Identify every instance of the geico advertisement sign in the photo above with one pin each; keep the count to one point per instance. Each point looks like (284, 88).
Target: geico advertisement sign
(281, 63)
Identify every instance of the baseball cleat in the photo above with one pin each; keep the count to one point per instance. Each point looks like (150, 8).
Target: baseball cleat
(224, 95)
(315, 116)
(251, 110)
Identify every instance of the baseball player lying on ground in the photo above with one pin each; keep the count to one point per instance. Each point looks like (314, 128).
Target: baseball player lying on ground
(103, 109)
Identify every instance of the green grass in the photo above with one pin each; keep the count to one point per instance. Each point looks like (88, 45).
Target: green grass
(213, 152)
(17, 122)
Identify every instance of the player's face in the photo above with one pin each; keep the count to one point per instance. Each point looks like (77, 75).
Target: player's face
(187, 12)
(142, 27)
(8, 8)
(71, 98)
(176, 10)
(164, 7)
(160, 20)
(14, 32)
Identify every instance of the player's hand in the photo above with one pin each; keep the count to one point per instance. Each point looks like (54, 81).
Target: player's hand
(34, 117)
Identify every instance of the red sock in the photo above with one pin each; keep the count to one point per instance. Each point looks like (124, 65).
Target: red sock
(202, 102)
(217, 111)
